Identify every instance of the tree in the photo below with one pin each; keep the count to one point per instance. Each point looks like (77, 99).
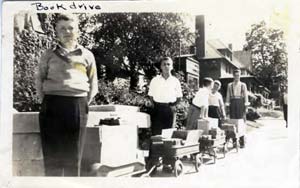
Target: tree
(269, 54)
(131, 43)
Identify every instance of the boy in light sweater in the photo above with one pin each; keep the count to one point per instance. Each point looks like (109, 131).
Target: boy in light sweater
(66, 83)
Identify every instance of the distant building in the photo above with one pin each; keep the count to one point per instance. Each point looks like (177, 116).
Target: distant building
(189, 65)
(218, 61)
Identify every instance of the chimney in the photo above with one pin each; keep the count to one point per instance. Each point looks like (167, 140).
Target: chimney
(200, 36)
(230, 53)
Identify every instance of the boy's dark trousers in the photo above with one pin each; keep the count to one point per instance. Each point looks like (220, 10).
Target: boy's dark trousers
(62, 124)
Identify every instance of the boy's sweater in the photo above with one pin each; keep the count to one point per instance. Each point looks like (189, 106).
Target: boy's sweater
(67, 73)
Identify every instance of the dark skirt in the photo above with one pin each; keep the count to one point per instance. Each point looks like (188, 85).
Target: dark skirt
(162, 117)
(62, 124)
(214, 112)
(237, 108)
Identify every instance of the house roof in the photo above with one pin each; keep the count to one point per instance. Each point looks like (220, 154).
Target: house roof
(211, 52)
(217, 44)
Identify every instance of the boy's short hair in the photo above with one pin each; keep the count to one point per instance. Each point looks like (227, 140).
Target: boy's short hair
(207, 81)
(166, 59)
(237, 71)
(65, 17)
(218, 82)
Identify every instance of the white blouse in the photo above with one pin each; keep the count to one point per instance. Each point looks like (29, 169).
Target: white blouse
(215, 99)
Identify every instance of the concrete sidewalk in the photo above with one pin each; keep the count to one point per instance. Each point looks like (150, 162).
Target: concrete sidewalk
(267, 161)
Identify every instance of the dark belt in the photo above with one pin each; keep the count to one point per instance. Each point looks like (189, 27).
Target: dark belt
(237, 97)
(165, 104)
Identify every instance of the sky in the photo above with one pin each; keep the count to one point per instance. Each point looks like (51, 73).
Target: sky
(229, 20)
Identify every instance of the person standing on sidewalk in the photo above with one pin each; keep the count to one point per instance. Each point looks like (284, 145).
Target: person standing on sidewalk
(164, 92)
(216, 105)
(237, 100)
(199, 106)
(285, 106)
(66, 83)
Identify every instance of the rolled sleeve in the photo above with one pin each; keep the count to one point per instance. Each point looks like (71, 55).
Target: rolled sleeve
(227, 100)
(246, 94)
(92, 77)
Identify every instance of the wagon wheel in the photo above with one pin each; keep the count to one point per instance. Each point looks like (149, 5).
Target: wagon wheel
(151, 166)
(198, 162)
(178, 168)
(214, 154)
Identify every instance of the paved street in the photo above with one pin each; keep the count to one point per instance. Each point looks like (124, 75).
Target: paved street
(267, 160)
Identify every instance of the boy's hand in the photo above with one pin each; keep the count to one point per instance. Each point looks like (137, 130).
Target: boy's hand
(149, 103)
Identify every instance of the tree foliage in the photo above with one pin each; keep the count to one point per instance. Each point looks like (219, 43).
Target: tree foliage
(124, 45)
(269, 54)
(131, 43)
(28, 47)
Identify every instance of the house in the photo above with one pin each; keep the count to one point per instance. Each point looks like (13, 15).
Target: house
(218, 61)
(189, 65)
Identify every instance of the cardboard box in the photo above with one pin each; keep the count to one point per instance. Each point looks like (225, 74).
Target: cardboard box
(118, 145)
(189, 136)
(229, 127)
(113, 108)
(167, 133)
(168, 143)
(239, 124)
(207, 124)
(140, 119)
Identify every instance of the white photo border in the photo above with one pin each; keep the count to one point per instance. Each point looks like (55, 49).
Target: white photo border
(10, 8)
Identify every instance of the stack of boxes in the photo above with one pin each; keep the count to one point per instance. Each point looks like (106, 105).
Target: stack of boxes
(171, 137)
(207, 124)
(240, 127)
(211, 131)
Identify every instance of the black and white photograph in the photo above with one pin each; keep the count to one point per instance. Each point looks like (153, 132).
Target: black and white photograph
(149, 93)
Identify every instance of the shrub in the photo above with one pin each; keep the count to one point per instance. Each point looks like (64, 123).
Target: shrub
(252, 114)
(28, 47)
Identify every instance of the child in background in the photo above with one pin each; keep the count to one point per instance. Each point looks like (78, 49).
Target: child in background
(199, 106)
(216, 105)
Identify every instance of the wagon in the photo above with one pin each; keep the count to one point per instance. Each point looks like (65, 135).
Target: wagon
(169, 152)
(231, 136)
(209, 146)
